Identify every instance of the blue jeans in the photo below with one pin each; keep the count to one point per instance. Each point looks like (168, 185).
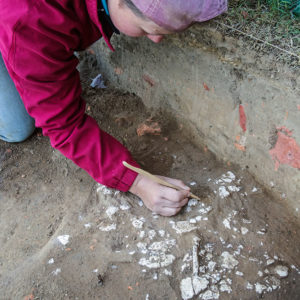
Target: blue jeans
(15, 123)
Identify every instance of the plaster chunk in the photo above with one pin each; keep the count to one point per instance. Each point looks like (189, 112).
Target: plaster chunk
(157, 261)
(223, 192)
(199, 284)
(138, 223)
(183, 227)
(111, 211)
(281, 271)
(63, 239)
(260, 288)
(224, 287)
(211, 266)
(186, 288)
(228, 261)
(210, 294)
(244, 230)
(108, 227)
(226, 223)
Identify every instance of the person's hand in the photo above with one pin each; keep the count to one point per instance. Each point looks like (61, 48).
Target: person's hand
(161, 199)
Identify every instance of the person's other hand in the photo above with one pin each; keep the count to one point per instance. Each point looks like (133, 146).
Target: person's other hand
(161, 199)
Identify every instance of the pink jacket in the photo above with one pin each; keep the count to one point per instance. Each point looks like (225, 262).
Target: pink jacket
(37, 42)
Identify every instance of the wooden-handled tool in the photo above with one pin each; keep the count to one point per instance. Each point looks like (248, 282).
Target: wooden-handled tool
(156, 179)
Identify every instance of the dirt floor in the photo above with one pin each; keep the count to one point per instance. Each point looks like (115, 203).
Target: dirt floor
(64, 236)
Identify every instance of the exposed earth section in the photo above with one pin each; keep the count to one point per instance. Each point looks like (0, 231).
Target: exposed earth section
(64, 236)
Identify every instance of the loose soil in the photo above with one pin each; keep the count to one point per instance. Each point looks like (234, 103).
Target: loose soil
(64, 236)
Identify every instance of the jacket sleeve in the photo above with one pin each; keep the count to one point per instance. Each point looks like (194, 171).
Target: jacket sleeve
(44, 71)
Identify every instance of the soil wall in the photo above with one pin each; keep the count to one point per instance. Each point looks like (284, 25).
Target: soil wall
(241, 101)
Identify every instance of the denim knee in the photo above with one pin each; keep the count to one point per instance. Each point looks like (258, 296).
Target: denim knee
(20, 134)
(15, 123)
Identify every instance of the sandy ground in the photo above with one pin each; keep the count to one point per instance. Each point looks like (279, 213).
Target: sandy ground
(64, 236)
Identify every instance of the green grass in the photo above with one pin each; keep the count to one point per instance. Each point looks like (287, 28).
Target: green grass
(284, 6)
(266, 18)
(269, 24)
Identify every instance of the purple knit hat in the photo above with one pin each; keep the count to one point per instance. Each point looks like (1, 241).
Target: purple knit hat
(179, 14)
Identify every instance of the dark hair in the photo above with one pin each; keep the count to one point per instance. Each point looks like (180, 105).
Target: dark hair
(134, 9)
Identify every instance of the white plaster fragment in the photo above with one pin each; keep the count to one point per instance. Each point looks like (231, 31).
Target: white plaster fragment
(239, 273)
(226, 223)
(233, 188)
(142, 234)
(161, 232)
(199, 284)
(245, 221)
(51, 261)
(56, 272)
(249, 286)
(162, 246)
(186, 288)
(183, 267)
(151, 234)
(228, 261)
(270, 261)
(209, 295)
(281, 271)
(154, 262)
(142, 247)
(111, 210)
(104, 190)
(167, 272)
(208, 256)
(196, 241)
(224, 287)
(260, 288)
(63, 239)
(244, 230)
(88, 225)
(223, 192)
(211, 266)
(215, 278)
(125, 206)
(182, 227)
(138, 223)
(108, 227)
(193, 183)
(205, 210)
